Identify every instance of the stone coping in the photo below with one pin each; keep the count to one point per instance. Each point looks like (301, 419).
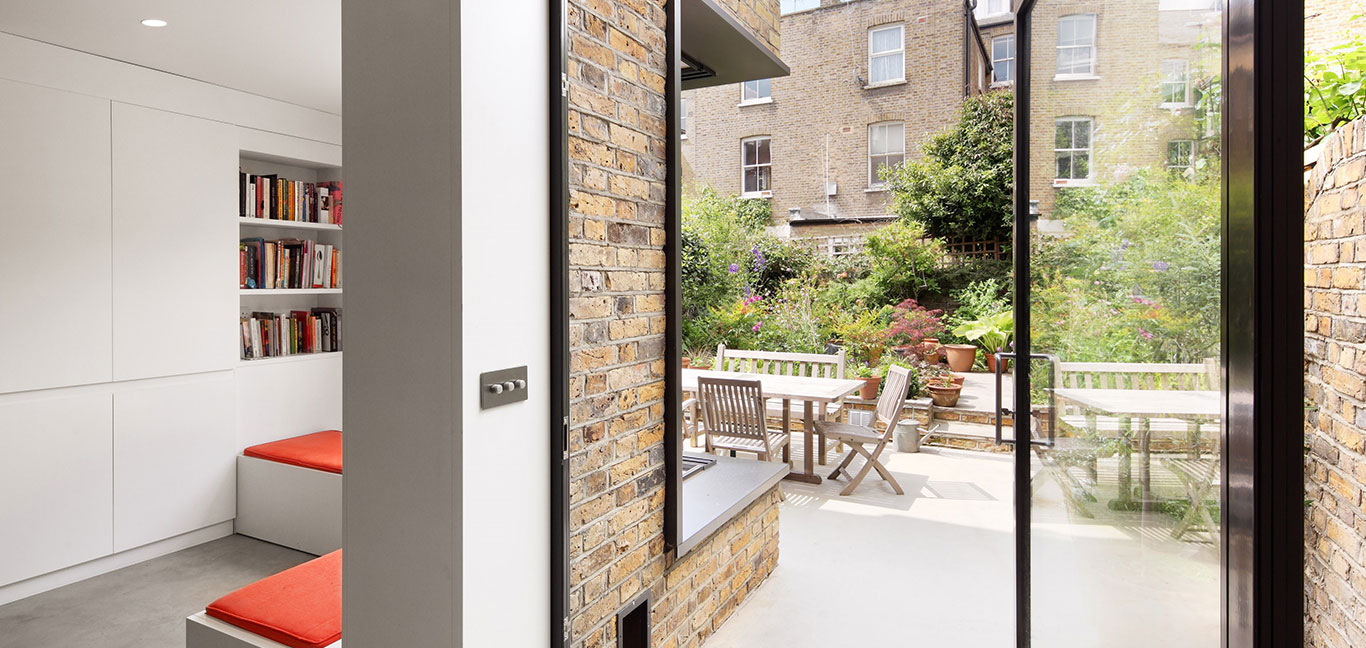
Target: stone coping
(714, 496)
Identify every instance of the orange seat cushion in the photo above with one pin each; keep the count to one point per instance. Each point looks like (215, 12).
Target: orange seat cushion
(319, 451)
(300, 607)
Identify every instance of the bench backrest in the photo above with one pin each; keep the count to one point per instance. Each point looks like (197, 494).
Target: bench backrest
(1137, 375)
(816, 365)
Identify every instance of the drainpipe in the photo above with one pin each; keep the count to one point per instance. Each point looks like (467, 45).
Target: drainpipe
(969, 6)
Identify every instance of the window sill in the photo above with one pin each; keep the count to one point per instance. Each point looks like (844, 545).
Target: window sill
(1065, 184)
(757, 195)
(1177, 106)
(683, 136)
(1076, 77)
(1001, 84)
(755, 102)
(876, 189)
(714, 496)
(885, 84)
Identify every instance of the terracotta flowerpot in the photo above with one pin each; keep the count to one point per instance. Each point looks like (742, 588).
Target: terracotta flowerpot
(961, 356)
(686, 362)
(945, 395)
(929, 350)
(958, 380)
(869, 389)
(991, 363)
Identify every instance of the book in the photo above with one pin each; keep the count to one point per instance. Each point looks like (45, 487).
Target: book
(270, 335)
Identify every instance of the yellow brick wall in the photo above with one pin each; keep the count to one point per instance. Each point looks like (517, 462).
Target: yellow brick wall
(617, 176)
(1335, 361)
(1328, 22)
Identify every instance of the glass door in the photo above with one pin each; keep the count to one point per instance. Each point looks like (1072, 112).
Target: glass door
(1118, 306)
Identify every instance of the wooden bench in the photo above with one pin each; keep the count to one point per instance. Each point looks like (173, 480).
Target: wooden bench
(1135, 375)
(777, 363)
(289, 492)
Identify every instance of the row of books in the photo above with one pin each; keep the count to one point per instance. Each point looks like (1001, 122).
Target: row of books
(288, 264)
(273, 335)
(277, 198)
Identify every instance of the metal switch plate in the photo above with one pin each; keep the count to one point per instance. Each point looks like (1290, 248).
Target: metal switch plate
(502, 387)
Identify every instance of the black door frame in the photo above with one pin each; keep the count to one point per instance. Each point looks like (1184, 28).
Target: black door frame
(1262, 301)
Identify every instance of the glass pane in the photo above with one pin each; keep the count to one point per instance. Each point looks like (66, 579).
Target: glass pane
(762, 156)
(763, 174)
(751, 180)
(750, 156)
(896, 138)
(763, 88)
(885, 40)
(887, 67)
(1125, 299)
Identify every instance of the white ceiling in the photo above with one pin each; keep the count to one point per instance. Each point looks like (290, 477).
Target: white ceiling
(284, 49)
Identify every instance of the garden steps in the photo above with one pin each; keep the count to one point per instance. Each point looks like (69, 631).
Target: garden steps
(963, 435)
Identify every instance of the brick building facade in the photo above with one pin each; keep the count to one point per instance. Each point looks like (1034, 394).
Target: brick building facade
(617, 176)
(835, 98)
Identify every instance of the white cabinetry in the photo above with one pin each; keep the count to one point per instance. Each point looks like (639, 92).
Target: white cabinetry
(55, 481)
(54, 238)
(174, 263)
(174, 458)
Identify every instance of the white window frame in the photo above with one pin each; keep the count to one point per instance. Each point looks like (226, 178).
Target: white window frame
(683, 118)
(995, 62)
(1189, 161)
(1073, 75)
(794, 9)
(1185, 82)
(761, 193)
(984, 8)
(1089, 150)
(753, 99)
(874, 182)
(899, 52)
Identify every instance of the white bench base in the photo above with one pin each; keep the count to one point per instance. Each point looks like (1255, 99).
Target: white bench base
(204, 631)
(297, 507)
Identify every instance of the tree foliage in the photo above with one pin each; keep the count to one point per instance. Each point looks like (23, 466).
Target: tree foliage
(962, 187)
(1334, 87)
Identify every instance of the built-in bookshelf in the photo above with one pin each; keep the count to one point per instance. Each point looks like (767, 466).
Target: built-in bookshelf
(290, 219)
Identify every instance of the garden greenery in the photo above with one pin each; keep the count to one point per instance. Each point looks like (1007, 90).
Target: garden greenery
(962, 187)
(1334, 87)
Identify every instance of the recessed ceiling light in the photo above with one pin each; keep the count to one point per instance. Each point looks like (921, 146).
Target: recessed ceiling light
(154, 22)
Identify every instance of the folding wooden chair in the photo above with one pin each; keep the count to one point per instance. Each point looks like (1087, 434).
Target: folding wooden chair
(858, 436)
(733, 418)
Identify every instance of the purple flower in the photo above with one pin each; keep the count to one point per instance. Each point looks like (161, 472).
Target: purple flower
(1146, 335)
(1160, 266)
(756, 327)
(734, 268)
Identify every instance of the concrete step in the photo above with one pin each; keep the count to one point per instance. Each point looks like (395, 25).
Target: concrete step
(967, 435)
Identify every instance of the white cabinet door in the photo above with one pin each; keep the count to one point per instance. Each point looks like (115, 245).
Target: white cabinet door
(55, 480)
(175, 450)
(175, 252)
(282, 400)
(54, 238)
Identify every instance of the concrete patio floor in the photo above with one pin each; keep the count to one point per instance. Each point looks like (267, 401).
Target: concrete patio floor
(935, 567)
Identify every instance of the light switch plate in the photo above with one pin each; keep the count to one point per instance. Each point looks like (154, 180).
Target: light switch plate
(502, 387)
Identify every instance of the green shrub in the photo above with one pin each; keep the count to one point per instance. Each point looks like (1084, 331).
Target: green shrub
(978, 299)
(1334, 87)
(901, 263)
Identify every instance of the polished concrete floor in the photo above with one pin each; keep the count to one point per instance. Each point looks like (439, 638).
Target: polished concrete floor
(144, 605)
(935, 567)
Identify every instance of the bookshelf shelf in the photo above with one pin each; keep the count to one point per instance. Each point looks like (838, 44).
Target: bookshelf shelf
(298, 357)
(267, 222)
(262, 292)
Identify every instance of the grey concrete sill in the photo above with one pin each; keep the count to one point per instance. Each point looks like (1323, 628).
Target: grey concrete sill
(885, 84)
(714, 496)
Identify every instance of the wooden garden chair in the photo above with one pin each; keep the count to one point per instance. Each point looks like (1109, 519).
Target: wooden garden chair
(858, 436)
(777, 363)
(733, 418)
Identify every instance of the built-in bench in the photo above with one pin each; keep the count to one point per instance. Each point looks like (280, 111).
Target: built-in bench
(289, 492)
(300, 607)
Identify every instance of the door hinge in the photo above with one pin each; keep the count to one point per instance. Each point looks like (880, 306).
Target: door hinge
(564, 84)
(564, 431)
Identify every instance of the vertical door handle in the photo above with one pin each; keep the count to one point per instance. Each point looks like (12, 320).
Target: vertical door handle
(1001, 412)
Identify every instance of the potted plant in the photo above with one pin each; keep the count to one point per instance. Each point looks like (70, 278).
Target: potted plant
(993, 333)
(942, 389)
(960, 356)
(930, 350)
(912, 327)
(686, 361)
(871, 380)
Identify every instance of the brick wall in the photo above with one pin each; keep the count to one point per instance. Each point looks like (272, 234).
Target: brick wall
(760, 16)
(617, 202)
(1335, 360)
(1132, 130)
(1326, 22)
(827, 49)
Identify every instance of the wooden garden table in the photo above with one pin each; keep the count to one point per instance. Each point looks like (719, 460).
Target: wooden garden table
(811, 391)
(1192, 406)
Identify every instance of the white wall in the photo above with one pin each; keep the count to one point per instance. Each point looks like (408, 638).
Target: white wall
(506, 228)
(119, 381)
